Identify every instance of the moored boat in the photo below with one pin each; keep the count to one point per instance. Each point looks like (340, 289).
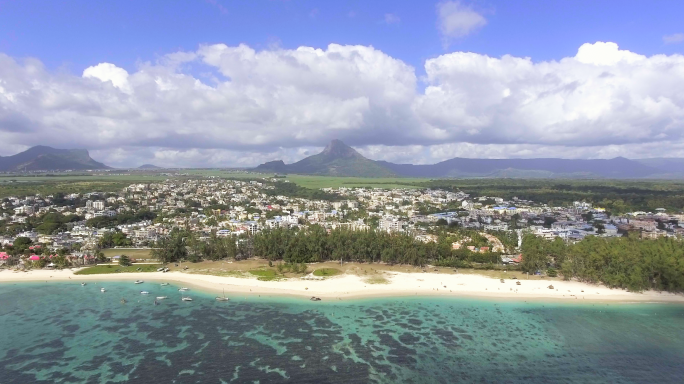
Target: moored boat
(162, 297)
(183, 289)
(185, 298)
(144, 293)
(222, 298)
(139, 282)
(103, 290)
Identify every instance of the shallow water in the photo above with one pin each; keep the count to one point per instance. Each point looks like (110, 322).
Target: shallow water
(63, 332)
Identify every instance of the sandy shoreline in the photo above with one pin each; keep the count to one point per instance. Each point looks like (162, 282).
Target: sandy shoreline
(353, 287)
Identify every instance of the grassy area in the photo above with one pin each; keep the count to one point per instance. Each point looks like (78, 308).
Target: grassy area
(316, 182)
(265, 274)
(327, 272)
(133, 253)
(107, 269)
(377, 280)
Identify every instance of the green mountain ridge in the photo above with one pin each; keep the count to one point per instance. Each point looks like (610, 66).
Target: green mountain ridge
(43, 158)
(337, 159)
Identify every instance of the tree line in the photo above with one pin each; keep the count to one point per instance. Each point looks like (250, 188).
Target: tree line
(316, 244)
(619, 262)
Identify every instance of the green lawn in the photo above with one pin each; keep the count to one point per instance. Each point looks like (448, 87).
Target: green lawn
(327, 272)
(106, 269)
(264, 274)
(130, 252)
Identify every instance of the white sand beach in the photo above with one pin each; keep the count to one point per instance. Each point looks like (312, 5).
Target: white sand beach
(351, 286)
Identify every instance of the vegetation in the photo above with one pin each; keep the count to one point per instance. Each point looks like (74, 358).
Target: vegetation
(106, 269)
(325, 272)
(125, 261)
(294, 190)
(616, 196)
(622, 262)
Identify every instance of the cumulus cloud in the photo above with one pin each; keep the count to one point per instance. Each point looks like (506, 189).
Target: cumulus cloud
(109, 72)
(675, 38)
(456, 20)
(287, 103)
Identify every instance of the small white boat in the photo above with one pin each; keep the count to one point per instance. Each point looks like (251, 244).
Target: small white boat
(160, 269)
(186, 298)
(103, 290)
(162, 297)
(222, 298)
(164, 284)
(83, 284)
(183, 289)
(139, 281)
(144, 293)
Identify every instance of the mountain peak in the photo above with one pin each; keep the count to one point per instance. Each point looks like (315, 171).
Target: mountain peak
(337, 148)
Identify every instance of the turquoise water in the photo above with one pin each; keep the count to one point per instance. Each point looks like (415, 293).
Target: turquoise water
(66, 333)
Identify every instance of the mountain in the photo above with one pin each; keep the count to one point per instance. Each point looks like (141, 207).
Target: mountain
(617, 168)
(338, 159)
(149, 166)
(669, 167)
(42, 158)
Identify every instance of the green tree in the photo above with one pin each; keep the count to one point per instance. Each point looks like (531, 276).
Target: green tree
(124, 261)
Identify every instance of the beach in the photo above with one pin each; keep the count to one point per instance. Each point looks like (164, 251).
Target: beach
(348, 286)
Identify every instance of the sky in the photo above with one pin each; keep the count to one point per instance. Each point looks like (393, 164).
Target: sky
(218, 83)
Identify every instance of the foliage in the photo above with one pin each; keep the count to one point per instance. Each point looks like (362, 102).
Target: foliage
(115, 239)
(124, 261)
(622, 262)
(327, 272)
(120, 219)
(294, 190)
(617, 196)
(107, 269)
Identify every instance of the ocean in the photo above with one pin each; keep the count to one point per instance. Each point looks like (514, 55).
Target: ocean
(68, 333)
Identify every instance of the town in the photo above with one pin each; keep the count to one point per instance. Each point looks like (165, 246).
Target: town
(78, 225)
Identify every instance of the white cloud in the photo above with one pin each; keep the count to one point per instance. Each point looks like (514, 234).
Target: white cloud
(456, 20)
(279, 103)
(601, 96)
(675, 38)
(109, 72)
(391, 18)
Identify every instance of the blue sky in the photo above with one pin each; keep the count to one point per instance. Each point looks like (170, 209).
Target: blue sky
(81, 33)
(223, 83)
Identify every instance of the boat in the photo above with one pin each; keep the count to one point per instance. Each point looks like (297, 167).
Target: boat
(314, 298)
(139, 281)
(103, 290)
(185, 298)
(144, 293)
(164, 284)
(183, 289)
(162, 297)
(222, 298)
(83, 284)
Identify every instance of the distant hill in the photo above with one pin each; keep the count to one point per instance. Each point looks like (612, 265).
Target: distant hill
(42, 158)
(338, 159)
(617, 168)
(149, 166)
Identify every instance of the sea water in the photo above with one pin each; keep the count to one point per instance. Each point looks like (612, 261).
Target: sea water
(68, 333)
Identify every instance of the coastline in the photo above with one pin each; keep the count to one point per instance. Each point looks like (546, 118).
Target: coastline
(354, 287)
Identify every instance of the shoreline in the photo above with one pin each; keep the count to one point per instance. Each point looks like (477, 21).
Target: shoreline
(348, 286)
